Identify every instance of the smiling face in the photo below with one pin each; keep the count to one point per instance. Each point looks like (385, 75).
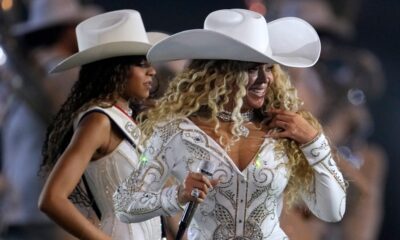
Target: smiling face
(140, 80)
(260, 78)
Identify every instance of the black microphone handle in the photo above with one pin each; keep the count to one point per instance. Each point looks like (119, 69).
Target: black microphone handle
(186, 219)
(207, 168)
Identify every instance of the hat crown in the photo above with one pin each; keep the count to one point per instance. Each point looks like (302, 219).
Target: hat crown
(245, 26)
(243, 35)
(48, 13)
(43, 11)
(111, 27)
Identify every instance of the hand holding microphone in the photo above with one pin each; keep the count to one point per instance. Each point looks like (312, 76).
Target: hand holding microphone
(195, 189)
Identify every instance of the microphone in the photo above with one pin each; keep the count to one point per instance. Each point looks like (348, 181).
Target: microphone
(207, 168)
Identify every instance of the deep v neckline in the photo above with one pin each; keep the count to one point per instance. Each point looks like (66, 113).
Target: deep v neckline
(225, 154)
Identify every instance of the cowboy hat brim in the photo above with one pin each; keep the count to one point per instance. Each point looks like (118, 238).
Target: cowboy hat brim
(293, 43)
(103, 51)
(27, 28)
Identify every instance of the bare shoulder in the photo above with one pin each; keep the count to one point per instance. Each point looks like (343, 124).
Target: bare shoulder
(94, 126)
(96, 120)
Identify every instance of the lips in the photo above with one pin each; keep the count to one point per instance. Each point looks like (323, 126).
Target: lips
(148, 84)
(258, 91)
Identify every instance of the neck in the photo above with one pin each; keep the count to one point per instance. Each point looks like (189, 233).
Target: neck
(124, 105)
(231, 105)
(227, 115)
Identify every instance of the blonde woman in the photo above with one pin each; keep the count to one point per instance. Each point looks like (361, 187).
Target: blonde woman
(235, 107)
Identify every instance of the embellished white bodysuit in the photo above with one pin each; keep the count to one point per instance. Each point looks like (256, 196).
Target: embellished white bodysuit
(245, 204)
(104, 175)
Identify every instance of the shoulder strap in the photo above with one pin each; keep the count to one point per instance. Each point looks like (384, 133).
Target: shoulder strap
(125, 123)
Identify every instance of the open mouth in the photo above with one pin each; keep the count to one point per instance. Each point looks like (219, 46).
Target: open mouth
(148, 84)
(258, 91)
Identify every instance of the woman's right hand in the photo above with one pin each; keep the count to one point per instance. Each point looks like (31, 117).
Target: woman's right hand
(195, 181)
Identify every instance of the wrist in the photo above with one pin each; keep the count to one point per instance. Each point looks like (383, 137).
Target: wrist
(317, 150)
(314, 137)
(178, 197)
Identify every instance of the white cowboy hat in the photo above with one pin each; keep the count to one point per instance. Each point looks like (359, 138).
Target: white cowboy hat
(155, 37)
(111, 34)
(243, 35)
(49, 13)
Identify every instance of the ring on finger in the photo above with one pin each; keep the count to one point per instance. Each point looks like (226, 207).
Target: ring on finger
(195, 193)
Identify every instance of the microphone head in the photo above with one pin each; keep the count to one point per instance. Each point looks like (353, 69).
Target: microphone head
(206, 167)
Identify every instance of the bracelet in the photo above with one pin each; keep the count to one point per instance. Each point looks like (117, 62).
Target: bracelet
(312, 141)
(178, 189)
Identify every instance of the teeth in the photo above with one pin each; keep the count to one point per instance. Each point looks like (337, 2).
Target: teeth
(258, 92)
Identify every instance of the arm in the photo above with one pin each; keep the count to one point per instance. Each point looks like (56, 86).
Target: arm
(171, 223)
(92, 134)
(142, 196)
(328, 198)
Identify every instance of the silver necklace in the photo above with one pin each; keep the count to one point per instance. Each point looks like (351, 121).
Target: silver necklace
(129, 112)
(246, 116)
(227, 116)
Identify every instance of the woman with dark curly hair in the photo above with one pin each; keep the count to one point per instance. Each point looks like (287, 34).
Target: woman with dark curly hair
(93, 143)
(234, 108)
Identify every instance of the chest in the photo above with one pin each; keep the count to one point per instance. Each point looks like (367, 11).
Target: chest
(243, 178)
(105, 174)
(242, 151)
(263, 170)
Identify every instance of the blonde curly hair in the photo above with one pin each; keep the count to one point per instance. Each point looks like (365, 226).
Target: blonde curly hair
(205, 86)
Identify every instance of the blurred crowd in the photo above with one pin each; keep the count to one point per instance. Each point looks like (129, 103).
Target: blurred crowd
(336, 90)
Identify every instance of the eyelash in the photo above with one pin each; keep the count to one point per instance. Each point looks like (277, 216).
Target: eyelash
(143, 64)
(256, 69)
(253, 70)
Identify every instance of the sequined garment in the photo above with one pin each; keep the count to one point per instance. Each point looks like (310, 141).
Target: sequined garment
(105, 174)
(245, 205)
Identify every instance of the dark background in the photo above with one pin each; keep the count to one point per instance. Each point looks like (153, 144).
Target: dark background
(378, 29)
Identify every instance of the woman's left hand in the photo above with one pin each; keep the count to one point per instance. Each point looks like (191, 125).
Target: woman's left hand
(293, 126)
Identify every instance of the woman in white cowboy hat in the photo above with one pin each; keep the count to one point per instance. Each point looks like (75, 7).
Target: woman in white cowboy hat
(93, 143)
(234, 107)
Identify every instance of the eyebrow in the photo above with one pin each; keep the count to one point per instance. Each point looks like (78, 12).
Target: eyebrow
(263, 65)
(253, 65)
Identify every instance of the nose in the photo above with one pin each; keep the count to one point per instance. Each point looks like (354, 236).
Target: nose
(151, 71)
(262, 76)
(268, 74)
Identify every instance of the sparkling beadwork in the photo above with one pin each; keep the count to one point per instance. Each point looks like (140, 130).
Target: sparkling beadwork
(227, 116)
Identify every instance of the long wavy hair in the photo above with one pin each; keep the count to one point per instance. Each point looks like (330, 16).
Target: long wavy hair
(100, 83)
(205, 86)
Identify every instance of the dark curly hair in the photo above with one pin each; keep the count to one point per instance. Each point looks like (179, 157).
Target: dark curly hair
(100, 83)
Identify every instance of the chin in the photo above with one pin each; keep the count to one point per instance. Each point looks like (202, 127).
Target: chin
(144, 96)
(255, 104)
